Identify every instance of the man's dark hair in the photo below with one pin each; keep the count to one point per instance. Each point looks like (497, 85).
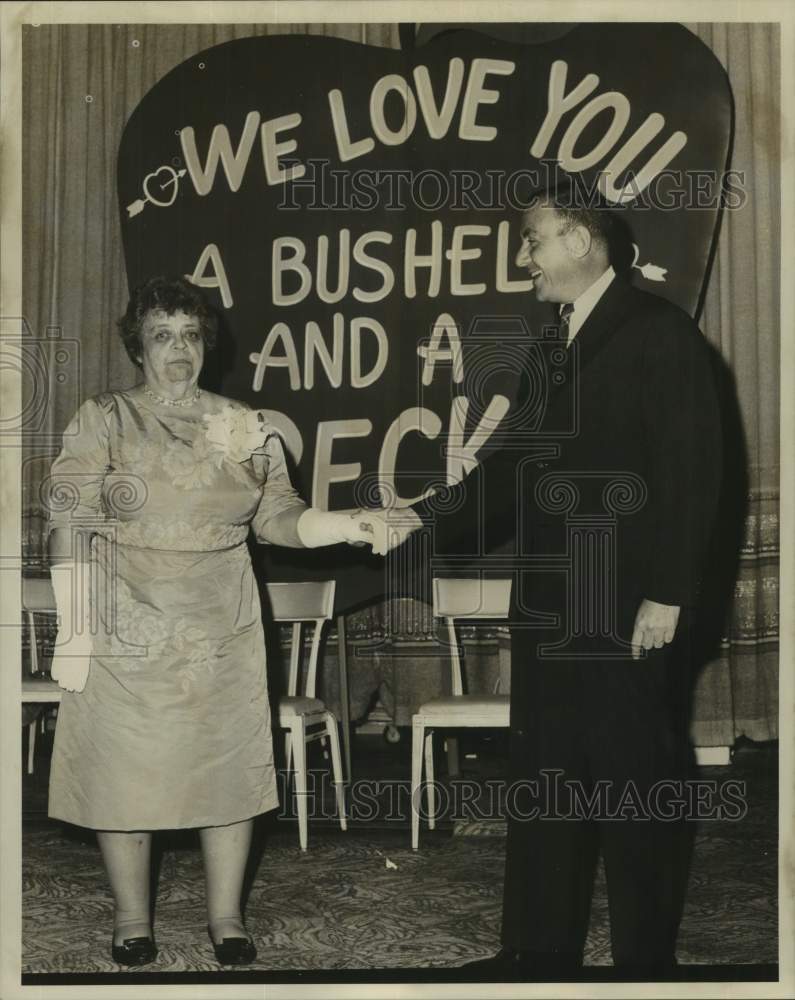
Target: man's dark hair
(168, 295)
(580, 206)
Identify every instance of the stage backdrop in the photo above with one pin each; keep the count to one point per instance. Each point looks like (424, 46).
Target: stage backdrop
(356, 226)
(81, 83)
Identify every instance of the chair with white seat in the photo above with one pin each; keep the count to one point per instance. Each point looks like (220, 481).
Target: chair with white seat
(456, 599)
(37, 688)
(299, 713)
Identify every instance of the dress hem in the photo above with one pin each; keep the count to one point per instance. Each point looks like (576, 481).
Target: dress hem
(199, 825)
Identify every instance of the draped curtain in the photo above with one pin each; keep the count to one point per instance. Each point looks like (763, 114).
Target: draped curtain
(80, 84)
(737, 692)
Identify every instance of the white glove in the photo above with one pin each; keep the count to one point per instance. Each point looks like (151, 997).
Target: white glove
(72, 654)
(317, 527)
(390, 527)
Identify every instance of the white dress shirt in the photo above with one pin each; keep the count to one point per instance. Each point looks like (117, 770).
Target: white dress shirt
(585, 302)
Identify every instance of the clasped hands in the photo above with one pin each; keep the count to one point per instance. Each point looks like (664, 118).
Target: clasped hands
(383, 528)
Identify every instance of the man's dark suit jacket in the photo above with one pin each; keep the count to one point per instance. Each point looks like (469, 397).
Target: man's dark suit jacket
(631, 493)
(645, 452)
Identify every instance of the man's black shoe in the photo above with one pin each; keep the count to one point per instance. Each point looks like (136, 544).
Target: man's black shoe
(504, 960)
(664, 970)
(512, 964)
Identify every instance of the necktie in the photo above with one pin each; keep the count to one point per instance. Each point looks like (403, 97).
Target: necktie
(563, 321)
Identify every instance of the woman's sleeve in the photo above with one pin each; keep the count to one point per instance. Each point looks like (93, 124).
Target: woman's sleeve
(278, 496)
(74, 487)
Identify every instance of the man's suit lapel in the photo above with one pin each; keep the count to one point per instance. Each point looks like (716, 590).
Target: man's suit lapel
(604, 320)
(595, 333)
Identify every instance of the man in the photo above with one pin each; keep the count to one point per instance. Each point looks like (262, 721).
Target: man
(598, 680)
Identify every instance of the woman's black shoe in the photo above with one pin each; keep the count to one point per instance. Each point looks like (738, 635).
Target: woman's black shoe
(134, 951)
(233, 950)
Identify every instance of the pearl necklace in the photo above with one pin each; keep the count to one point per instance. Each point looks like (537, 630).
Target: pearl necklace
(172, 402)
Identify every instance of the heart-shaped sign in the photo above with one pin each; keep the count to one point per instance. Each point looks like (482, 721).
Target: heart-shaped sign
(356, 226)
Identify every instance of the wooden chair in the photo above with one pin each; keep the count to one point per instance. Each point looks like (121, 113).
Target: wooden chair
(455, 599)
(300, 713)
(37, 687)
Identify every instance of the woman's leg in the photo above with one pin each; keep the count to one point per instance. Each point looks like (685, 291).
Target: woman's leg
(127, 860)
(225, 850)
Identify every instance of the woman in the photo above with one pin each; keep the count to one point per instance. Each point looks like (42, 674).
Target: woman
(165, 722)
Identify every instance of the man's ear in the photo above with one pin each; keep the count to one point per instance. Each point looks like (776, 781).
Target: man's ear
(578, 241)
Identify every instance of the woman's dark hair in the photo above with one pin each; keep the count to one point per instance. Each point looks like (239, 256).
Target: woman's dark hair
(168, 295)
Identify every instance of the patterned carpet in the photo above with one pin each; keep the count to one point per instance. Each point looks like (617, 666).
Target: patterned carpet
(363, 899)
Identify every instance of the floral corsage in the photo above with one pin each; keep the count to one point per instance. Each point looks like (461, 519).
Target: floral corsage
(237, 433)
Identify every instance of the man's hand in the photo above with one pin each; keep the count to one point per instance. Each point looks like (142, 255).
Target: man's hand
(655, 626)
(390, 527)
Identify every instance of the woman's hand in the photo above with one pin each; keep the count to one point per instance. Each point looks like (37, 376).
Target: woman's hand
(72, 654)
(388, 527)
(70, 667)
(384, 529)
(357, 529)
(319, 527)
